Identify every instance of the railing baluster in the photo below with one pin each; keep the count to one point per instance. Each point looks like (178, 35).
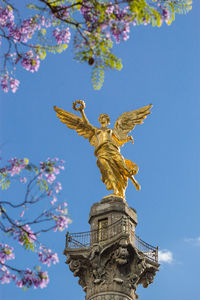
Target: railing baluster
(87, 239)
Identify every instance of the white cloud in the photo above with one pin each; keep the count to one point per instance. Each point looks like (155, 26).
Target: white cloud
(165, 256)
(195, 241)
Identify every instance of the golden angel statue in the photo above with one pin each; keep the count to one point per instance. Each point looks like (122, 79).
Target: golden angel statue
(115, 169)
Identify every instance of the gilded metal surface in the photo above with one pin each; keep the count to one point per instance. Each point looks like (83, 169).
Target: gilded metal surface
(115, 169)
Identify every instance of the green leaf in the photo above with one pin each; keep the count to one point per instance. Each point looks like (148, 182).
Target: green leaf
(57, 48)
(43, 31)
(97, 77)
(33, 6)
(42, 53)
(26, 243)
(4, 182)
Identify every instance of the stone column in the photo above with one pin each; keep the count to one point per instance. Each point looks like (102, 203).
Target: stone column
(111, 266)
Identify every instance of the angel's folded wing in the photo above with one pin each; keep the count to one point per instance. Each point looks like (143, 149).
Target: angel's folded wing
(74, 122)
(127, 121)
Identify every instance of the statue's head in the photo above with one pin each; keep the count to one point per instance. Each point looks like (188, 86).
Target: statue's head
(104, 119)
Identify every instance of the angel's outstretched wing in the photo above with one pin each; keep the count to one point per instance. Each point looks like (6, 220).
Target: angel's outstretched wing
(74, 122)
(127, 121)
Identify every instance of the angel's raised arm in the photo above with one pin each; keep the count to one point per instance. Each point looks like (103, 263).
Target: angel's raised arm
(81, 109)
(81, 125)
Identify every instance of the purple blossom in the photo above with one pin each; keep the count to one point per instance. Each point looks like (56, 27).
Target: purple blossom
(5, 276)
(62, 223)
(126, 31)
(30, 62)
(14, 84)
(88, 14)
(26, 31)
(15, 170)
(47, 257)
(30, 278)
(4, 84)
(54, 200)
(56, 159)
(6, 17)
(58, 187)
(116, 33)
(50, 169)
(56, 170)
(24, 235)
(22, 213)
(62, 36)
(50, 178)
(166, 15)
(22, 232)
(61, 167)
(23, 180)
(17, 165)
(30, 235)
(6, 253)
(43, 20)
(110, 9)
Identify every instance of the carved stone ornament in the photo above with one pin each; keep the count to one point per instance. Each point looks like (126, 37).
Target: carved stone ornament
(111, 271)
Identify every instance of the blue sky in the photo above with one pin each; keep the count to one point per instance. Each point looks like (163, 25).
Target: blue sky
(162, 67)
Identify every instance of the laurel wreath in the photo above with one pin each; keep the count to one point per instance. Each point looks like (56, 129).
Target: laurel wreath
(81, 104)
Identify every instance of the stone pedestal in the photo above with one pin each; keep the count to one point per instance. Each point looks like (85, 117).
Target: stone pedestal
(111, 260)
(112, 209)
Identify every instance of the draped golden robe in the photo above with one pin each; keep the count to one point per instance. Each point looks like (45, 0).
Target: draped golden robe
(114, 169)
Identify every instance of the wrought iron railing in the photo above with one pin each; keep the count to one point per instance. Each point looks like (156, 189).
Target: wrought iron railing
(148, 250)
(120, 227)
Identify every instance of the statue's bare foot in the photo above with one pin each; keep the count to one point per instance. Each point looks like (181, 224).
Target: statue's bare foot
(118, 194)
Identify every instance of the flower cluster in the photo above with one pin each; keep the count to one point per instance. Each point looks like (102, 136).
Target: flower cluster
(19, 32)
(117, 20)
(120, 27)
(30, 62)
(25, 235)
(6, 17)
(40, 183)
(17, 165)
(96, 25)
(47, 257)
(14, 35)
(62, 221)
(58, 187)
(24, 279)
(24, 32)
(27, 278)
(60, 216)
(8, 81)
(48, 172)
(30, 278)
(6, 253)
(5, 275)
(62, 36)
